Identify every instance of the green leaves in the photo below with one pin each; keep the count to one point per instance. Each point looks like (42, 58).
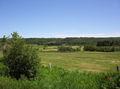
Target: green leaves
(21, 59)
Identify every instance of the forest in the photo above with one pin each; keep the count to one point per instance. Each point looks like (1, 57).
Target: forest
(111, 41)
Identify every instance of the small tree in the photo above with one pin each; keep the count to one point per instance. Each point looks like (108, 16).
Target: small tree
(21, 59)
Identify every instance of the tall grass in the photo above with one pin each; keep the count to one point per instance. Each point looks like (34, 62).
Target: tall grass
(58, 78)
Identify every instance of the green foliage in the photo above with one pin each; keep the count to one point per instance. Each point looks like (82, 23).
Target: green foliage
(3, 69)
(111, 81)
(101, 48)
(10, 83)
(112, 41)
(67, 49)
(21, 59)
(5, 45)
(77, 80)
(89, 48)
(45, 46)
(59, 78)
(108, 43)
(105, 49)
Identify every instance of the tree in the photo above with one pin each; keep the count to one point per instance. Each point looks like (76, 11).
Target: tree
(21, 59)
(4, 45)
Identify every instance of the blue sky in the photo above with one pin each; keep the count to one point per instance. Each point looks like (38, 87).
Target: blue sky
(60, 18)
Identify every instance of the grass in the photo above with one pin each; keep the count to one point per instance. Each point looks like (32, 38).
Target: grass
(83, 61)
(60, 78)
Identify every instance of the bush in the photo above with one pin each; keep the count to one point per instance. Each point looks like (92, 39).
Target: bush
(105, 49)
(58, 78)
(101, 48)
(21, 59)
(3, 70)
(111, 81)
(68, 49)
(89, 48)
(117, 48)
(10, 83)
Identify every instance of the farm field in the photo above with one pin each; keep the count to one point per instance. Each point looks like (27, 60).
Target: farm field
(82, 61)
(86, 70)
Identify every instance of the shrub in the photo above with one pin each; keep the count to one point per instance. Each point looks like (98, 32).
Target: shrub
(89, 48)
(21, 59)
(105, 49)
(68, 49)
(111, 81)
(59, 78)
(3, 70)
(101, 48)
(65, 49)
(117, 48)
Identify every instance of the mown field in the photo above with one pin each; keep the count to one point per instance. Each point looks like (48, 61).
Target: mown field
(82, 61)
(95, 70)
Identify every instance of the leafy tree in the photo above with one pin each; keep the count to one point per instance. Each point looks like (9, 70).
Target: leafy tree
(4, 45)
(21, 59)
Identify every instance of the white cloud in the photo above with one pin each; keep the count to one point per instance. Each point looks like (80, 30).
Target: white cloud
(86, 35)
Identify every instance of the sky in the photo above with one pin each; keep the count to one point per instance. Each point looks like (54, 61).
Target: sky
(60, 18)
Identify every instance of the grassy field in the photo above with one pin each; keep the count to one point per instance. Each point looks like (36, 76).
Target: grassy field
(83, 61)
(88, 63)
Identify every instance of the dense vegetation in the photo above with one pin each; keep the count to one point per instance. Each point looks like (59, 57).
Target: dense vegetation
(20, 59)
(68, 49)
(112, 41)
(110, 44)
(57, 78)
(91, 44)
(102, 48)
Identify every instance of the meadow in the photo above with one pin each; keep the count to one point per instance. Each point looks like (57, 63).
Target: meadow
(69, 70)
(84, 61)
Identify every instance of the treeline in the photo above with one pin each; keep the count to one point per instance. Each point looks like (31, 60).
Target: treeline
(102, 48)
(113, 41)
(110, 44)
(89, 48)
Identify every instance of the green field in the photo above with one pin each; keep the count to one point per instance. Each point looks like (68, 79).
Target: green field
(95, 70)
(59, 78)
(82, 61)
